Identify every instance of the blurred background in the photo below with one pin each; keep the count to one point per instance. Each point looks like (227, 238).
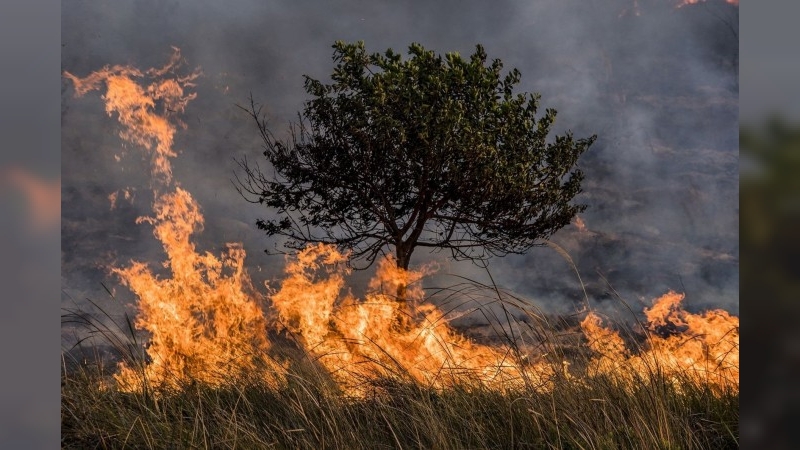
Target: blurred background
(770, 280)
(770, 224)
(30, 209)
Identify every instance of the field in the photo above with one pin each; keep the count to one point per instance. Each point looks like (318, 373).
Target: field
(303, 405)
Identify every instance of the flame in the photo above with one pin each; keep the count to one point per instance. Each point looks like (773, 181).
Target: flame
(703, 347)
(114, 196)
(205, 320)
(135, 105)
(205, 324)
(580, 224)
(359, 339)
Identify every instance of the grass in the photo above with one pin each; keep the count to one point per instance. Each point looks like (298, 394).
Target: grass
(309, 410)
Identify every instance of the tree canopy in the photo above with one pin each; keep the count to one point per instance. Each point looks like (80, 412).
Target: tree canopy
(428, 151)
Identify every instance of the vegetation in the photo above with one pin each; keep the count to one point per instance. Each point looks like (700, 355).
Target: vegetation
(399, 415)
(430, 151)
(310, 410)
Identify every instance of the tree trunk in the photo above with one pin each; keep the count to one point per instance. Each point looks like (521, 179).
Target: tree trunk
(404, 313)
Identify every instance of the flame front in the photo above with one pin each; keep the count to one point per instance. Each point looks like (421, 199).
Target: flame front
(701, 347)
(204, 322)
(361, 339)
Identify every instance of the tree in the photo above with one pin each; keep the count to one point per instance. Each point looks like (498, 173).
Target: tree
(430, 151)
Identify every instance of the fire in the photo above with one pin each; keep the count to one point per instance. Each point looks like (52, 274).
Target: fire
(580, 224)
(357, 340)
(206, 322)
(135, 105)
(703, 347)
(114, 197)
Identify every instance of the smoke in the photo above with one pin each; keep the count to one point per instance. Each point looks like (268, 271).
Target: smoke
(659, 88)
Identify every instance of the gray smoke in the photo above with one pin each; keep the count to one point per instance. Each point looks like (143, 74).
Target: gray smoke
(657, 84)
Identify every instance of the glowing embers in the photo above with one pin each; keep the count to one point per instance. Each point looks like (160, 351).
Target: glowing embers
(701, 348)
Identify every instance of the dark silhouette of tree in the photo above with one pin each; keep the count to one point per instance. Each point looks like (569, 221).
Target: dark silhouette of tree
(429, 151)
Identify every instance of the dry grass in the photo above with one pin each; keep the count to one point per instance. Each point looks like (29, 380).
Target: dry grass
(308, 410)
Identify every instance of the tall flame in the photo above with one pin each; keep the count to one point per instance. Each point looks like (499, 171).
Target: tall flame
(135, 105)
(204, 320)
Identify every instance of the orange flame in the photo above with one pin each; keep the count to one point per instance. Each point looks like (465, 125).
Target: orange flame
(114, 197)
(357, 339)
(205, 325)
(135, 105)
(205, 322)
(703, 347)
(580, 224)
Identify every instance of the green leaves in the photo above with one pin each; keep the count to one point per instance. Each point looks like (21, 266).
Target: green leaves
(423, 151)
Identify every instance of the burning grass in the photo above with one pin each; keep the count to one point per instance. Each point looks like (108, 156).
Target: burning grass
(309, 407)
(334, 372)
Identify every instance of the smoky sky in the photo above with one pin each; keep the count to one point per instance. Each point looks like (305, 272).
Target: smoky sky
(657, 84)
